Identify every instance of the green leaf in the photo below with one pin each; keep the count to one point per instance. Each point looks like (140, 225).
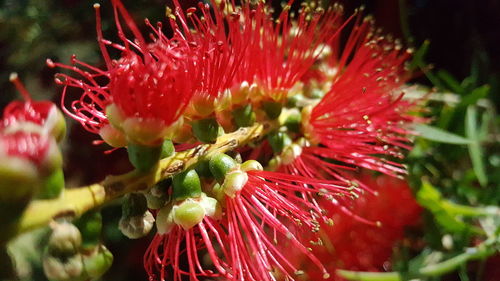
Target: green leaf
(475, 150)
(445, 212)
(474, 96)
(450, 81)
(418, 57)
(439, 135)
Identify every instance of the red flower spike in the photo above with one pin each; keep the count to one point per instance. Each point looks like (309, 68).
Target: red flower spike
(244, 244)
(166, 252)
(364, 114)
(353, 245)
(151, 82)
(281, 51)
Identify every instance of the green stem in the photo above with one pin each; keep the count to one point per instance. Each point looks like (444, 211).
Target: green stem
(75, 202)
(369, 276)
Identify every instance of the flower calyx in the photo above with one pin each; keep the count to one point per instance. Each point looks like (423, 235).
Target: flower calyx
(187, 213)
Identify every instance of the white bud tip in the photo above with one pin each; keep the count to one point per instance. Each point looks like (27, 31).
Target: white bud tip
(326, 275)
(13, 77)
(96, 5)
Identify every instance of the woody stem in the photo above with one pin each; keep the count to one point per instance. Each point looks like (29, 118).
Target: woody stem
(76, 201)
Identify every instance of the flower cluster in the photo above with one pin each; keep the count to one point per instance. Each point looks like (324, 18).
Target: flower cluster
(30, 157)
(328, 108)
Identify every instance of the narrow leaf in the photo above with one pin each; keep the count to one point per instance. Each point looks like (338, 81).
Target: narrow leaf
(475, 150)
(439, 135)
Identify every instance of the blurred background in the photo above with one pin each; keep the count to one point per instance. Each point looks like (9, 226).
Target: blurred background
(461, 39)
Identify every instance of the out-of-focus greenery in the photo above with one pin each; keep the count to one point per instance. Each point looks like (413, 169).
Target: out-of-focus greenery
(454, 167)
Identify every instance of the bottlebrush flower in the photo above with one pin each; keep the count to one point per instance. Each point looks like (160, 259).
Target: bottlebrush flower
(280, 51)
(30, 115)
(146, 90)
(363, 116)
(354, 245)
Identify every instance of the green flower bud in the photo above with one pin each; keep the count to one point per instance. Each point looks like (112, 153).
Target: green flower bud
(203, 169)
(244, 116)
(278, 141)
(234, 182)
(206, 130)
(67, 269)
(98, 262)
(251, 165)
(65, 240)
(272, 109)
(90, 226)
(294, 101)
(220, 164)
(143, 158)
(185, 185)
(167, 149)
(292, 122)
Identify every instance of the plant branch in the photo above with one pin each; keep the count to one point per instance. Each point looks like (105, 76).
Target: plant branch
(76, 201)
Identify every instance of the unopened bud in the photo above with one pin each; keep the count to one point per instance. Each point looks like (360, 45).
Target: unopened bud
(234, 182)
(272, 109)
(98, 262)
(251, 165)
(206, 130)
(137, 226)
(220, 165)
(244, 116)
(67, 269)
(186, 185)
(65, 240)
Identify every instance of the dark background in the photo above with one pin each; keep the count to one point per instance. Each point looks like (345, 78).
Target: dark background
(464, 40)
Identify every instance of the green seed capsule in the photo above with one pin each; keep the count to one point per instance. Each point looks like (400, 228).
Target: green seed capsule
(292, 123)
(90, 226)
(206, 130)
(244, 116)
(220, 164)
(272, 109)
(98, 262)
(278, 141)
(167, 149)
(142, 157)
(186, 185)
